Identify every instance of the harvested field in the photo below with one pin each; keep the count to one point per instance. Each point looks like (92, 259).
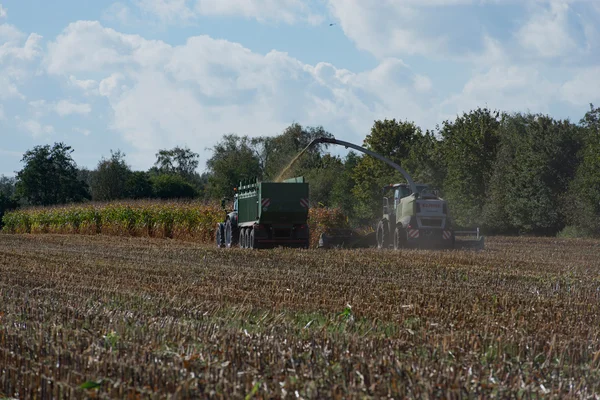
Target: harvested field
(151, 318)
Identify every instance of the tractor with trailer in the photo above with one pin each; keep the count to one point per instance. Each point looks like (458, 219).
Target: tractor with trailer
(267, 215)
(413, 216)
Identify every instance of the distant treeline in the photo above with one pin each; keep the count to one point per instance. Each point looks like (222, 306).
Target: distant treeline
(506, 173)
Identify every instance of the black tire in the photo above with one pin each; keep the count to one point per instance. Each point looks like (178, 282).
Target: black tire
(251, 242)
(220, 236)
(383, 234)
(228, 234)
(399, 238)
(242, 240)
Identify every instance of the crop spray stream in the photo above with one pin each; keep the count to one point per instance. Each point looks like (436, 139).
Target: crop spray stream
(291, 164)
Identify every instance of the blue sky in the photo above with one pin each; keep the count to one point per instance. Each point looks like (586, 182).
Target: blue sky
(143, 75)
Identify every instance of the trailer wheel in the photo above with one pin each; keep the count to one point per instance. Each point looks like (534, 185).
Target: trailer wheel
(242, 239)
(228, 234)
(251, 243)
(383, 233)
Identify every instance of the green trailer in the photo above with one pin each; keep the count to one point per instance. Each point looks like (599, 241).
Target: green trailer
(267, 215)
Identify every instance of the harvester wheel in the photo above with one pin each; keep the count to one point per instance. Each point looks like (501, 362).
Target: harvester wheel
(399, 238)
(219, 236)
(383, 233)
(228, 234)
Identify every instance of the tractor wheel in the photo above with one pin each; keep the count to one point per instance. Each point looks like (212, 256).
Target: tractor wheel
(383, 233)
(399, 238)
(220, 236)
(228, 234)
(251, 243)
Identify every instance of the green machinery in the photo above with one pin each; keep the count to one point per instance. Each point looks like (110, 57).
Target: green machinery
(266, 215)
(413, 215)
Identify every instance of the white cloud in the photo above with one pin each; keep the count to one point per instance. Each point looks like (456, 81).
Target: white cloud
(30, 50)
(87, 85)
(8, 88)
(38, 108)
(9, 34)
(507, 88)
(86, 46)
(395, 28)
(288, 11)
(187, 11)
(35, 128)
(422, 83)
(456, 29)
(41, 108)
(547, 31)
(109, 86)
(2, 115)
(17, 54)
(119, 12)
(163, 95)
(168, 10)
(84, 132)
(3, 12)
(582, 88)
(66, 107)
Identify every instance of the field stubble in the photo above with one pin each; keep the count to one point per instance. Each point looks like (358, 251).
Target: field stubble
(149, 318)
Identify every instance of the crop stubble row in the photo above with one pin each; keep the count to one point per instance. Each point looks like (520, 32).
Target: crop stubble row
(155, 317)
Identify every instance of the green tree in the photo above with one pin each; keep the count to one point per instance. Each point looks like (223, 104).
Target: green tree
(139, 185)
(536, 161)
(168, 186)
(341, 193)
(426, 162)
(178, 160)
(275, 153)
(233, 159)
(110, 180)
(469, 149)
(322, 179)
(394, 140)
(86, 176)
(7, 199)
(582, 203)
(50, 177)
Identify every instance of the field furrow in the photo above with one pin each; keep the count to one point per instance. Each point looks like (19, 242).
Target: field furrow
(153, 318)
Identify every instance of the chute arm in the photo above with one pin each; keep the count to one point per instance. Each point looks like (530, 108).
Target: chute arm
(398, 168)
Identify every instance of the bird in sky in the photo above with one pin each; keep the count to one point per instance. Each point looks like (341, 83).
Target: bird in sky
(331, 24)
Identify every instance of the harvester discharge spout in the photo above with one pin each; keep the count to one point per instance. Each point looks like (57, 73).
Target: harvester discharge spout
(398, 168)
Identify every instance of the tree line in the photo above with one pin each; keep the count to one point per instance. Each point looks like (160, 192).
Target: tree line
(508, 173)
